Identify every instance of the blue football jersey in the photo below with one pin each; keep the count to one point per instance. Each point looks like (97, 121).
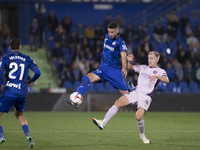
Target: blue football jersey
(17, 67)
(112, 51)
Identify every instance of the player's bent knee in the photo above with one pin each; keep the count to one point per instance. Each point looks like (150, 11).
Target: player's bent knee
(138, 117)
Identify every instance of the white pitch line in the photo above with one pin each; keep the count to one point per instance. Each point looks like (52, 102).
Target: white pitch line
(79, 131)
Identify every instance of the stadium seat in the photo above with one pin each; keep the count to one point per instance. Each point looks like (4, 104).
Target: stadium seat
(193, 86)
(110, 88)
(99, 87)
(172, 86)
(91, 88)
(76, 84)
(184, 87)
(67, 84)
(162, 87)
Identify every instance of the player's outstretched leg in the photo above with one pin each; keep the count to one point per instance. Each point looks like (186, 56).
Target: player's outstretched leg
(68, 101)
(130, 86)
(144, 139)
(2, 140)
(30, 142)
(81, 89)
(98, 123)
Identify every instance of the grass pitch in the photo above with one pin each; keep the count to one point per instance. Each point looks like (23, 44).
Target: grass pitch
(76, 131)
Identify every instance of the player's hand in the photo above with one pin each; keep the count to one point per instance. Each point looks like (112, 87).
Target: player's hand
(130, 57)
(151, 78)
(124, 72)
(29, 82)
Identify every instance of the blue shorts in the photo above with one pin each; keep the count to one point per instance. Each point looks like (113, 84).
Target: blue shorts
(113, 75)
(7, 102)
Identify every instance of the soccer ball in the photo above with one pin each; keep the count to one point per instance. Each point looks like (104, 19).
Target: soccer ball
(76, 98)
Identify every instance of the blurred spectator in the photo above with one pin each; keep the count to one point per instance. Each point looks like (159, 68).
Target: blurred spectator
(52, 22)
(97, 45)
(83, 66)
(41, 19)
(66, 74)
(192, 58)
(60, 35)
(146, 46)
(98, 33)
(189, 73)
(142, 59)
(97, 54)
(120, 22)
(173, 20)
(141, 34)
(197, 32)
(67, 24)
(76, 73)
(198, 74)
(183, 22)
(34, 32)
(57, 51)
(129, 34)
(5, 33)
(170, 71)
(188, 30)
(73, 39)
(107, 20)
(85, 43)
(89, 32)
(5, 36)
(192, 40)
(163, 60)
(159, 34)
(171, 33)
(93, 65)
(80, 31)
(179, 72)
(180, 54)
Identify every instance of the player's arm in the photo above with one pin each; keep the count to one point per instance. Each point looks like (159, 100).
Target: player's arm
(130, 59)
(124, 61)
(164, 79)
(35, 76)
(1, 76)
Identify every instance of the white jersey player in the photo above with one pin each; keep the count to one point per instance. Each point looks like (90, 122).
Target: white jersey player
(149, 77)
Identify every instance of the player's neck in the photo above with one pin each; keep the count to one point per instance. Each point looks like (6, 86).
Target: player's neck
(16, 51)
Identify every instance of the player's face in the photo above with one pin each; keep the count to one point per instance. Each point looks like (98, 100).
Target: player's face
(113, 33)
(153, 60)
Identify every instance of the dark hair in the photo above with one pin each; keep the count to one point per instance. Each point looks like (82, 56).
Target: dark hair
(112, 25)
(15, 43)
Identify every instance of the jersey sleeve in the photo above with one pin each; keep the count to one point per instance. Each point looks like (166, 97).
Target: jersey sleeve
(32, 64)
(137, 68)
(163, 73)
(2, 63)
(123, 46)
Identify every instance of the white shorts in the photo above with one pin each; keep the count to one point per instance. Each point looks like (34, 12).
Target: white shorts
(139, 99)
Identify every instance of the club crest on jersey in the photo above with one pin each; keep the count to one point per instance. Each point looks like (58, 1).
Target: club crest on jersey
(114, 43)
(154, 71)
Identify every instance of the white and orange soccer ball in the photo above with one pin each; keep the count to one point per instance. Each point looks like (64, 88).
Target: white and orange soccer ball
(76, 98)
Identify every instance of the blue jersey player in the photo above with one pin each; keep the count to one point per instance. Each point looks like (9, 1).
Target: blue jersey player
(113, 64)
(14, 94)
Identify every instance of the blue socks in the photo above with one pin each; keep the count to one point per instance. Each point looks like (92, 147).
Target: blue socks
(1, 132)
(26, 130)
(83, 87)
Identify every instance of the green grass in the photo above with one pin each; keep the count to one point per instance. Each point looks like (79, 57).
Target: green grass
(46, 77)
(75, 131)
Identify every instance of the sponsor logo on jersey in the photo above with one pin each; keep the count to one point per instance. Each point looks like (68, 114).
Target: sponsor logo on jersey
(109, 47)
(17, 86)
(17, 57)
(114, 43)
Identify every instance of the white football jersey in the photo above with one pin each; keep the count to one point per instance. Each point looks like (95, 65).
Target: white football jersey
(144, 85)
